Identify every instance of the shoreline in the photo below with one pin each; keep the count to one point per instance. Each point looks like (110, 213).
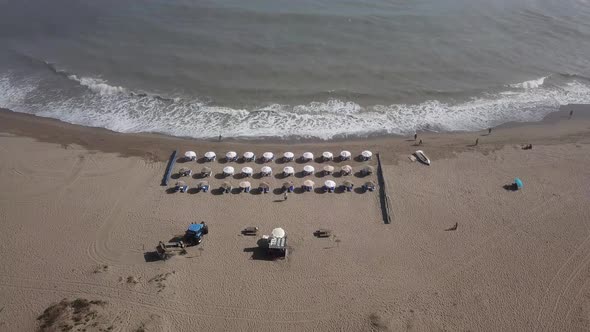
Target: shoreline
(158, 146)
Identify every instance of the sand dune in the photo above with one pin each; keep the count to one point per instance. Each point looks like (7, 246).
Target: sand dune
(77, 223)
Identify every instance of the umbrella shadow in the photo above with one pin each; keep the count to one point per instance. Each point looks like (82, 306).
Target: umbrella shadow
(240, 176)
(257, 176)
(359, 159)
(202, 160)
(151, 256)
(510, 187)
(301, 160)
(175, 176)
(319, 190)
(320, 174)
(300, 175)
(281, 176)
(220, 176)
(193, 191)
(319, 159)
(281, 161)
(359, 190)
(171, 190)
(182, 160)
(256, 191)
(217, 191)
(298, 190)
(258, 253)
(339, 190)
(236, 191)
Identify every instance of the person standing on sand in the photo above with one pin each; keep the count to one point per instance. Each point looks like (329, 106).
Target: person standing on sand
(420, 143)
(285, 196)
(219, 137)
(489, 131)
(571, 113)
(476, 141)
(415, 136)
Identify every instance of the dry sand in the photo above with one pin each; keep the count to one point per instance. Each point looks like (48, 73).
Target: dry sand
(81, 207)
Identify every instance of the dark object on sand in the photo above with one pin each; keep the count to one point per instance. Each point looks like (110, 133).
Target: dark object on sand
(527, 146)
(454, 228)
(420, 143)
(322, 233)
(489, 131)
(476, 141)
(415, 136)
(194, 233)
(169, 168)
(169, 249)
(250, 231)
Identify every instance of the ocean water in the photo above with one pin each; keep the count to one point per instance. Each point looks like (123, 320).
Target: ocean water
(277, 68)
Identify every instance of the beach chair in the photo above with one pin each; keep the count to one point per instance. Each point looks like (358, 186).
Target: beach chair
(290, 189)
(250, 231)
(205, 188)
(183, 189)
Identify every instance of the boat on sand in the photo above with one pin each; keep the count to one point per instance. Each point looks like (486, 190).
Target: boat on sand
(422, 157)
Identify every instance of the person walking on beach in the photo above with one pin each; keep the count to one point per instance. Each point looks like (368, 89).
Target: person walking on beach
(476, 141)
(489, 131)
(415, 136)
(219, 137)
(286, 195)
(420, 143)
(571, 113)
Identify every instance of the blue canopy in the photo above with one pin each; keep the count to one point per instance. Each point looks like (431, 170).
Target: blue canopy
(518, 182)
(195, 227)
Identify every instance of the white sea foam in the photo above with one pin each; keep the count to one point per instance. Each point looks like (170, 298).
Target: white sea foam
(532, 84)
(123, 112)
(97, 85)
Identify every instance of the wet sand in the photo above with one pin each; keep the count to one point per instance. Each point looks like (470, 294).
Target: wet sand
(83, 208)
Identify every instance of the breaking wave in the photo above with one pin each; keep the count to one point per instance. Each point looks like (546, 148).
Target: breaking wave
(101, 104)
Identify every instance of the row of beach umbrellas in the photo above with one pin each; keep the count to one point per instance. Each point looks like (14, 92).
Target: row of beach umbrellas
(287, 171)
(287, 186)
(269, 156)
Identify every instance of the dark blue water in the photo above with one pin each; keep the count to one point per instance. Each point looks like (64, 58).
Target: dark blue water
(282, 68)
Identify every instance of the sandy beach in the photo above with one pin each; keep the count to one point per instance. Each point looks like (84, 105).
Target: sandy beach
(81, 208)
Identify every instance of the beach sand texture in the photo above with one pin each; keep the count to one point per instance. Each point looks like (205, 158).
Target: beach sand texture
(76, 223)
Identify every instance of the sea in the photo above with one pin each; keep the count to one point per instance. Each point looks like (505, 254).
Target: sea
(289, 69)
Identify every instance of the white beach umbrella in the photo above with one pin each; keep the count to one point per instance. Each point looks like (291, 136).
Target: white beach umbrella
(210, 155)
(345, 154)
(268, 155)
(245, 184)
(247, 170)
(327, 155)
(228, 170)
(308, 183)
(309, 169)
(231, 154)
(248, 155)
(278, 233)
(288, 170)
(346, 169)
(330, 184)
(289, 155)
(308, 155)
(367, 154)
(266, 170)
(190, 154)
(329, 168)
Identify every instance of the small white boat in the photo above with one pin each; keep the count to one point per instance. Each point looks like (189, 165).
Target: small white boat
(422, 157)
